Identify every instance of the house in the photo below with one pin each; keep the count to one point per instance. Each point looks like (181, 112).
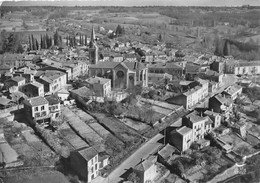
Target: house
(247, 67)
(240, 128)
(233, 91)
(197, 124)
(85, 163)
(52, 80)
(33, 89)
(217, 66)
(100, 86)
(15, 81)
(192, 71)
(212, 76)
(54, 106)
(230, 65)
(168, 67)
(82, 93)
(215, 117)
(220, 104)
(62, 94)
(5, 103)
(191, 97)
(5, 69)
(146, 169)
(37, 109)
(181, 138)
(166, 153)
(123, 75)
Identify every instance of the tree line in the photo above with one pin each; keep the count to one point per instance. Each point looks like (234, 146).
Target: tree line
(10, 43)
(71, 40)
(240, 50)
(46, 41)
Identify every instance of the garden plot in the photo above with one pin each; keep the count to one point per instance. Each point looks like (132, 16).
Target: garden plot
(80, 127)
(137, 125)
(82, 115)
(240, 146)
(72, 138)
(117, 128)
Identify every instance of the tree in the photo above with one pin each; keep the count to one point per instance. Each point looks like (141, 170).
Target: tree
(133, 177)
(86, 40)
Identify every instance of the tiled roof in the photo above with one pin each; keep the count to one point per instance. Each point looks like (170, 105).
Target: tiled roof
(37, 84)
(184, 130)
(248, 63)
(88, 153)
(145, 164)
(167, 151)
(233, 89)
(52, 100)
(18, 79)
(4, 101)
(83, 92)
(222, 99)
(36, 101)
(194, 117)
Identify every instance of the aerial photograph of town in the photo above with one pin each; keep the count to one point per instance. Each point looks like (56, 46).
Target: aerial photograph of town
(130, 91)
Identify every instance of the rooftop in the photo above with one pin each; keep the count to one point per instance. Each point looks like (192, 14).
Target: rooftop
(248, 63)
(36, 84)
(210, 113)
(222, 99)
(83, 91)
(194, 117)
(184, 130)
(233, 89)
(18, 79)
(4, 101)
(167, 151)
(52, 100)
(88, 153)
(36, 101)
(145, 164)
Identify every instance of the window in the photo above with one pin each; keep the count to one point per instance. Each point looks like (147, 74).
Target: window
(37, 115)
(96, 167)
(92, 162)
(36, 108)
(42, 108)
(96, 158)
(43, 113)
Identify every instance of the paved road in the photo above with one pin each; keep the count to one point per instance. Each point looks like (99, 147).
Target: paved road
(148, 148)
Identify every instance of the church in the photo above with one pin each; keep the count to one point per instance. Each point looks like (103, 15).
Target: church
(123, 75)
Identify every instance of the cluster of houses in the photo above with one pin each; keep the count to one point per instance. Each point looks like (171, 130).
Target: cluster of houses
(40, 82)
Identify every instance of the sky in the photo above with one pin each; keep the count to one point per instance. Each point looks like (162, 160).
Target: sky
(162, 2)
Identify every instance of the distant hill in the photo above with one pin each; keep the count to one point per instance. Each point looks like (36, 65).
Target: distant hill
(129, 3)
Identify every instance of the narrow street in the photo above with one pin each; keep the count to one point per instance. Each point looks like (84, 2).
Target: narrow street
(148, 148)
